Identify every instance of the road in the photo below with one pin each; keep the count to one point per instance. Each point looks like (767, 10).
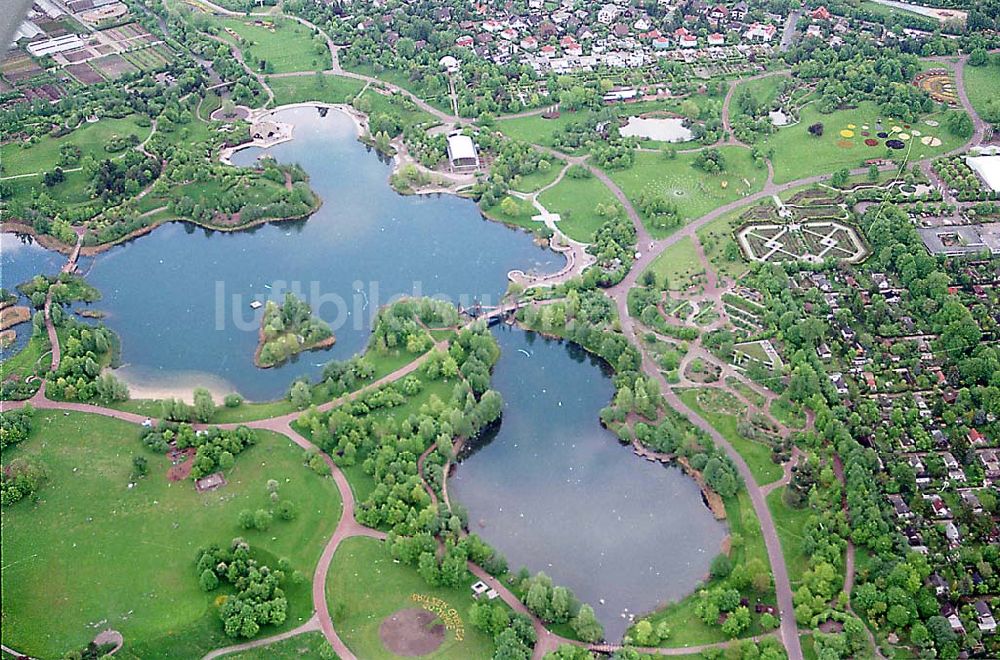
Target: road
(348, 527)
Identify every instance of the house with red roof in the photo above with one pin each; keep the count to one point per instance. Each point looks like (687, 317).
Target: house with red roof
(716, 39)
(821, 14)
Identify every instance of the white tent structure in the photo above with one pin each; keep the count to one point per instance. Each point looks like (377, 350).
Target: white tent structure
(462, 154)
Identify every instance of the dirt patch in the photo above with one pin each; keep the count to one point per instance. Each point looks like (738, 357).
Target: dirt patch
(830, 626)
(181, 464)
(11, 316)
(411, 632)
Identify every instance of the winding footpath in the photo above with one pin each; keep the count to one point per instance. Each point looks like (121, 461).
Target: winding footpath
(650, 249)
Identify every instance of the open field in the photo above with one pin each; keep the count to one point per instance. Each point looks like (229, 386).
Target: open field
(798, 154)
(91, 138)
(365, 586)
(575, 200)
(536, 129)
(694, 191)
(979, 80)
(765, 90)
(397, 105)
(721, 248)
(538, 178)
(307, 645)
(328, 89)
(94, 553)
(677, 264)
(284, 45)
(790, 523)
(757, 455)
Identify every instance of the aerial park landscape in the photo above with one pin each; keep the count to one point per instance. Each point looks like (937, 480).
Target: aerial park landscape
(550, 331)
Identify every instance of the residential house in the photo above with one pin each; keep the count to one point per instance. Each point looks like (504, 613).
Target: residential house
(984, 618)
(760, 33)
(607, 14)
(902, 510)
(821, 14)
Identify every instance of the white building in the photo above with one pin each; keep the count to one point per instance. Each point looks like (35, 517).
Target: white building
(462, 154)
(57, 45)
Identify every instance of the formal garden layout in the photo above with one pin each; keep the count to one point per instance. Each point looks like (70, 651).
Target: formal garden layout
(451, 330)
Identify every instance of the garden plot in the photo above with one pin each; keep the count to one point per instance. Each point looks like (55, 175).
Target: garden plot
(113, 67)
(762, 351)
(812, 241)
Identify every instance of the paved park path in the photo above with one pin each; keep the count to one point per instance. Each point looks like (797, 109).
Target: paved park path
(348, 526)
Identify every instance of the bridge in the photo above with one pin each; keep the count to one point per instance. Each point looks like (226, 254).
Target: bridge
(493, 314)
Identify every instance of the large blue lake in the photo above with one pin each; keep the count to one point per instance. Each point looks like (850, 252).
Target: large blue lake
(180, 297)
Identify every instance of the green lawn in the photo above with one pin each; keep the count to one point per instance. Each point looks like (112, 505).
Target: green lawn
(328, 89)
(525, 211)
(91, 138)
(93, 550)
(306, 645)
(538, 178)
(765, 90)
(678, 264)
(757, 455)
(797, 154)
(535, 129)
(979, 80)
(26, 361)
(365, 586)
(575, 200)
(397, 105)
(71, 191)
(720, 246)
(286, 45)
(436, 97)
(694, 191)
(790, 523)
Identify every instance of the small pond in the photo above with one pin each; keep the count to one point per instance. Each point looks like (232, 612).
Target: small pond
(661, 129)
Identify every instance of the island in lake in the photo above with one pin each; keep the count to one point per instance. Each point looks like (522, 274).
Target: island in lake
(289, 329)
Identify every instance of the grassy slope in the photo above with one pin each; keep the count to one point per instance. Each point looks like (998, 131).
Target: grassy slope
(757, 455)
(328, 89)
(94, 550)
(575, 200)
(365, 586)
(694, 191)
(763, 89)
(288, 47)
(539, 179)
(91, 138)
(677, 263)
(982, 83)
(307, 645)
(789, 523)
(798, 154)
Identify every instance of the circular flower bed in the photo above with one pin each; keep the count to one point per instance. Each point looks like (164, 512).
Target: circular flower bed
(871, 142)
(894, 144)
